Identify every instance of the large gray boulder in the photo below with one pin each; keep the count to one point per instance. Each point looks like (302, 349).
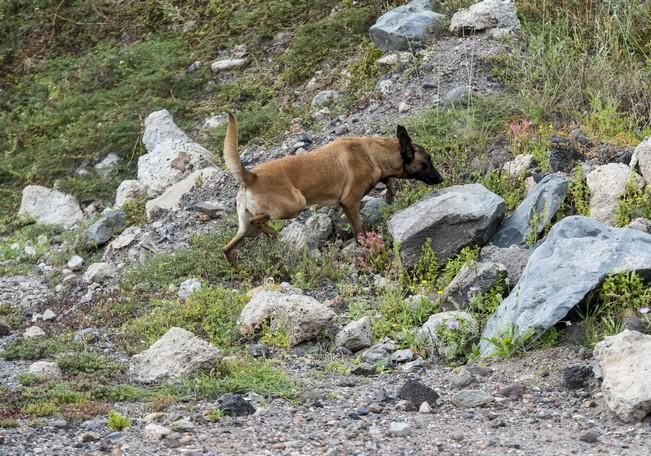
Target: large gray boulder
(178, 353)
(50, 207)
(607, 183)
(449, 219)
(486, 15)
(407, 27)
(111, 222)
(625, 365)
(578, 254)
(533, 213)
(171, 154)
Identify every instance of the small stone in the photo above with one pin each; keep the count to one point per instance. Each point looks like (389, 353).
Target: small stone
(60, 424)
(465, 378)
(156, 431)
(425, 408)
(235, 405)
(75, 263)
(399, 429)
(429, 85)
(404, 405)
(403, 107)
(100, 272)
(210, 208)
(156, 417)
(48, 315)
(402, 356)
(45, 369)
(5, 329)
(576, 377)
(29, 250)
(362, 411)
(376, 408)
(471, 398)
(417, 393)
(33, 331)
(411, 366)
(364, 369)
(228, 64)
(591, 436)
(188, 287)
(89, 437)
(183, 425)
(512, 391)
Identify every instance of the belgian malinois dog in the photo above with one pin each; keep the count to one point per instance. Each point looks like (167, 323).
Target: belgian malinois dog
(337, 174)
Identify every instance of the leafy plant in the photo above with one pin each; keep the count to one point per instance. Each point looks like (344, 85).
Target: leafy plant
(116, 421)
(510, 341)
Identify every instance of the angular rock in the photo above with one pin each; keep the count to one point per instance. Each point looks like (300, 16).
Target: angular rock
(640, 224)
(45, 369)
(472, 398)
(235, 405)
(399, 429)
(642, 155)
(407, 27)
(372, 211)
(100, 272)
(171, 198)
(534, 213)
(454, 321)
(33, 331)
(513, 258)
(319, 228)
(378, 354)
(472, 279)
(607, 184)
(364, 369)
(576, 377)
(5, 329)
(171, 154)
(212, 209)
(111, 222)
(156, 431)
(355, 335)
(302, 317)
(578, 254)
(50, 207)
(129, 190)
(188, 287)
(107, 165)
(465, 378)
(75, 263)
(457, 95)
(48, 315)
(183, 425)
(178, 353)
(519, 165)
(295, 236)
(417, 393)
(449, 219)
(487, 14)
(625, 365)
(402, 356)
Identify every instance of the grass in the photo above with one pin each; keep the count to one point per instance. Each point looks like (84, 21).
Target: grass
(117, 422)
(37, 348)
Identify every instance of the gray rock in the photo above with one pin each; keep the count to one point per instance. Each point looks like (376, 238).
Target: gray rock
(50, 207)
(640, 224)
(513, 258)
(407, 27)
(364, 369)
(170, 199)
(465, 378)
(578, 254)
(642, 156)
(171, 154)
(45, 369)
(449, 219)
(564, 155)
(228, 64)
(33, 331)
(301, 316)
(48, 315)
(325, 98)
(355, 335)
(75, 263)
(213, 209)
(576, 377)
(454, 321)
(235, 405)
(108, 165)
(178, 353)
(156, 431)
(188, 287)
(129, 190)
(472, 279)
(372, 211)
(487, 14)
(402, 356)
(294, 236)
(378, 354)
(183, 425)
(425, 408)
(100, 272)
(625, 364)
(412, 366)
(319, 228)
(89, 437)
(399, 429)
(111, 222)
(519, 165)
(536, 211)
(607, 184)
(457, 95)
(591, 436)
(417, 393)
(5, 329)
(472, 398)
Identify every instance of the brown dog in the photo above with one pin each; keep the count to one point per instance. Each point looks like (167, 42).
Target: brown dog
(337, 174)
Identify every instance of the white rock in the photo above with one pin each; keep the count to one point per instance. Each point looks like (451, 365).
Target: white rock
(178, 353)
(48, 315)
(171, 198)
(75, 263)
(45, 369)
(403, 107)
(355, 335)
(607, 184)
(228, 64)
(625, 364)
(100, 272)
(294, 236)
(188, 287)
(425, 407)
(50, 207)
(129, 190)
(518, 165)
(156, 431)
(108, 164)
(33, 331)
(642, 154)
(384, 86)
(399, 429)
(124, 240)
(302, 317)
(485, 15)
(214, 121)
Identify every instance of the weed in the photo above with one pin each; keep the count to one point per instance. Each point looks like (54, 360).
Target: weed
(37, 348)
(636, 202)
(511, 189)
(41, 409)
(398, 314)
(578, 193)
(86, 362)
(117, 422)
(510, 341)
(277, 337)
(27, 379)
(337, 367)
(214, 415)
(453, 333)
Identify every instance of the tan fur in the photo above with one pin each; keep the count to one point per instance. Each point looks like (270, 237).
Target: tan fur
(337, 174)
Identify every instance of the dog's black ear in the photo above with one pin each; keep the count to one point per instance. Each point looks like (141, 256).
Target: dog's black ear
(406, 147)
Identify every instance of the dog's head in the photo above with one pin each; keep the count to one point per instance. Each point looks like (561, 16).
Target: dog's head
(417, 163)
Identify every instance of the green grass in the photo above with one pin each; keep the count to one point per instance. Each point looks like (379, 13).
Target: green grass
(37, 348)
(117, 422)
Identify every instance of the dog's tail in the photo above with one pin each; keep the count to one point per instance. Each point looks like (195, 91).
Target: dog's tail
(232, 157)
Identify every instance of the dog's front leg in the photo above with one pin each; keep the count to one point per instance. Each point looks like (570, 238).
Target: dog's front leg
(351, 209)
(391, 189)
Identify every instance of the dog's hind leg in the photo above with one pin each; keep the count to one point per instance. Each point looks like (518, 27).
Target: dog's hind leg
(260, 222)
(244, 227)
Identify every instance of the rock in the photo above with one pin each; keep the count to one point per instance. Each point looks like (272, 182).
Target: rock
(213, 209)
(87, 336)
(45, 369)
(355, 335)
(399, 429)
(228, 64)
(129, 190)
(425, 408)
(471, 398)
(5, 329)
(417, 393)
(100, 272)
(607, 184)
(156, 431)
(625, 364)
(127, 238)
(550, 285)
(411, 366)
(60, 424)
(534, 213)
(564, 155)
(171, 154)
(403, 107)
(591, 436)
(325, 98)
(513, 391)
(48, 315)
(170, 200)
(402, 356)
(235, 405)
(176, 354)
(513, 258)
(576, 377)
(89, 437)
(364, 369)
(394, 57)
(465, 378)
(302, 317)
(294, 236)
(378, 354)
(451, 321)
(50, 207)
(449, 219)
(640, 224)
(457, 95)
(111, 222)
(33, 331)
(407, 27)
(372, 211)
(319, 228)
(108, 165)
(183, 425)
(519, 165)
(642, 155)
(214, 121)
(485, 15)
(472, 279)
(188, 287)
(75, 263)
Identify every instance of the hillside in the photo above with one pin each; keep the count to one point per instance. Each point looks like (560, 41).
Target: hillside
(502, 311)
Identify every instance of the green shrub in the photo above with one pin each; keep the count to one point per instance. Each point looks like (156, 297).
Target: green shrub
(117, 422)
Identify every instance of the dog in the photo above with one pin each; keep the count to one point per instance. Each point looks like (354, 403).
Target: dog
(337, 174)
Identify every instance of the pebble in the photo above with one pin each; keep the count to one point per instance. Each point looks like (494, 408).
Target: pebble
(417, 393)
(472, 398)
(591, 436)
(183, 425)
(89, 437)
(48, 315)
(156, 431)
(399, 429)
(512, 391)
(362, 411)
(425, 408)
(33, 331)
(465, 378)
